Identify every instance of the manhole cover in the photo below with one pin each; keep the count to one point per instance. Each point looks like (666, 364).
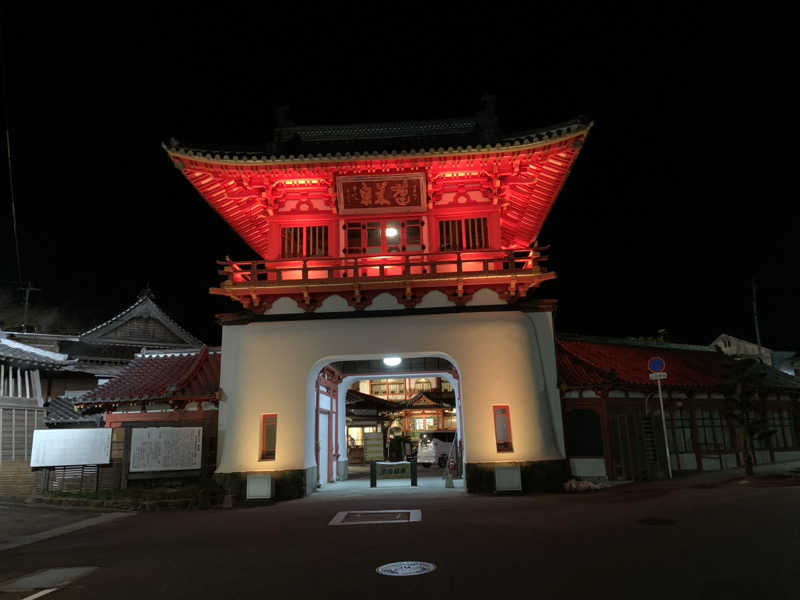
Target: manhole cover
(656, 521)
(376, 517)
(371, 517)
(405, 568)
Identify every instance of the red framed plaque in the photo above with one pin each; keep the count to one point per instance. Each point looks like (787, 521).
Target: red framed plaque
(367, 194)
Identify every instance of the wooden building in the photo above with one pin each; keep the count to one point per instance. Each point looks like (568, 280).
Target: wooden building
(612, 417)
(409, 242)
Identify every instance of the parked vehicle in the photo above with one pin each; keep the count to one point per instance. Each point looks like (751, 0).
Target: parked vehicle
(434, 447)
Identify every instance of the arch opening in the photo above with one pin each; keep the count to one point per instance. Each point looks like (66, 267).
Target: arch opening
(366, 410)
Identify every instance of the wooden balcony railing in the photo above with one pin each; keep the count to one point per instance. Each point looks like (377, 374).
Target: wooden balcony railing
(402, 267)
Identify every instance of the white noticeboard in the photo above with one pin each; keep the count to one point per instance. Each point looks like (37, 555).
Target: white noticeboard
(67, 447)
(166, 449)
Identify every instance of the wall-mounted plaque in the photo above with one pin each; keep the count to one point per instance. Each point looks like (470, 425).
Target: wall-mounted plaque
(166, 448)
(67, 447)
(403, 192)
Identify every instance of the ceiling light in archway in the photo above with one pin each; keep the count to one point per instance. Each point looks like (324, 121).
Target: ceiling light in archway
(392, 361)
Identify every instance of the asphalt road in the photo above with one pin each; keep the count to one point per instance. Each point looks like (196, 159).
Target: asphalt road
(724, 540)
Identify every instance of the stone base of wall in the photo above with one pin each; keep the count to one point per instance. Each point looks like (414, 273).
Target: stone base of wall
(537, 476)
(17, 480)
(290, 484)
(342, 470)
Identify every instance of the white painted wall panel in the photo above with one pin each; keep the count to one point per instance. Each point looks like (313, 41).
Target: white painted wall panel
(270, 367)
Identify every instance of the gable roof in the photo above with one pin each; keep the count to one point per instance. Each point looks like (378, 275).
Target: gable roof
(143, 323)
(433, 398)
(597, 362)
(161, 376)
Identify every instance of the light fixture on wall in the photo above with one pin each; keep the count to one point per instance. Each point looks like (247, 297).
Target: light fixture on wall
(392, 232)
(392, 361)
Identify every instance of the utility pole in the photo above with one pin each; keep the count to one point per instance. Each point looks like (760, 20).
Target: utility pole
(27, 289)
(755, 320)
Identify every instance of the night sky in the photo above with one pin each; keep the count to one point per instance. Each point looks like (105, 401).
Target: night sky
(652, 230)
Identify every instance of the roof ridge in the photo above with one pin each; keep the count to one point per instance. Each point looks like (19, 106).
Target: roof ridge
(190, 373)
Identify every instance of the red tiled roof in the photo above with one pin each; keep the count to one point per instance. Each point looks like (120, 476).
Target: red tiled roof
(588, 363)
(161, 376)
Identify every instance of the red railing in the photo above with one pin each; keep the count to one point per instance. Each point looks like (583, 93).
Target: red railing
(400, 266)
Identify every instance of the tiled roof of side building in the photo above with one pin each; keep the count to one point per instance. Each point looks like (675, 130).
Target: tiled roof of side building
(590, 362)
(162, 376)
(25, 356)
(62, 411)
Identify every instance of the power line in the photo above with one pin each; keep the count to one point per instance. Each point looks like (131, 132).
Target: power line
(4, 69)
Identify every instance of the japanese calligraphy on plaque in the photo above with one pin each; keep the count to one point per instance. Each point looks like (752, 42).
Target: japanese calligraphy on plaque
(404, 192)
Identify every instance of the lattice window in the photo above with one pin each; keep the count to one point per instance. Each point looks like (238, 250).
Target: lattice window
(782, 423)
(476, 233)
(680, 424)
(292, 242)
(297, 242)
(317, 240)
(467, 234)
(449, 235)
(712, 430)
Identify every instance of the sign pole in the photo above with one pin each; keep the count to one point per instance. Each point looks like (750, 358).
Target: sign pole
(664, 427)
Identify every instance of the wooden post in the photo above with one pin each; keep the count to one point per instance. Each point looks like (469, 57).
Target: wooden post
(414, 472)
(373, 474)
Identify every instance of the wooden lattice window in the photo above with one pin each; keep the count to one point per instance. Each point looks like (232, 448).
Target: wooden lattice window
(476, 233)
(466, 234)
(449, 235)
(297, 242)
(317, 240)
(291, 242)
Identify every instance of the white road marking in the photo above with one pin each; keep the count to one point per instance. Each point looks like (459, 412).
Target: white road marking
(39, 594)
(45, 535)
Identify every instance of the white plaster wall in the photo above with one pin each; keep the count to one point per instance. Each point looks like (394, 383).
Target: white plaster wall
(588, 467)
(762, 457)
(730, 461)
(270, 367)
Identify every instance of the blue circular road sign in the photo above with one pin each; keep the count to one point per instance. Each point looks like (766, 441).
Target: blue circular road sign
(656, 364)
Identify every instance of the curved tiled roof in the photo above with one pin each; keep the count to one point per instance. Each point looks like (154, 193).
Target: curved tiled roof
(526, 139)
(161, 375)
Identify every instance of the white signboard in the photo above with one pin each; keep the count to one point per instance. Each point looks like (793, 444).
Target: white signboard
(373, 446)
(66, 447)
(166, 449)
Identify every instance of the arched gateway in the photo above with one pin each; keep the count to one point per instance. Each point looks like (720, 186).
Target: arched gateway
(423, 253)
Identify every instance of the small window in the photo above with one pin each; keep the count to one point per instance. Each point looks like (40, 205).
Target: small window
(476, 233)
(502, 429)
(292, 242)
(449, 235)
(269, 436)
(297, 242)
(317, 240)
